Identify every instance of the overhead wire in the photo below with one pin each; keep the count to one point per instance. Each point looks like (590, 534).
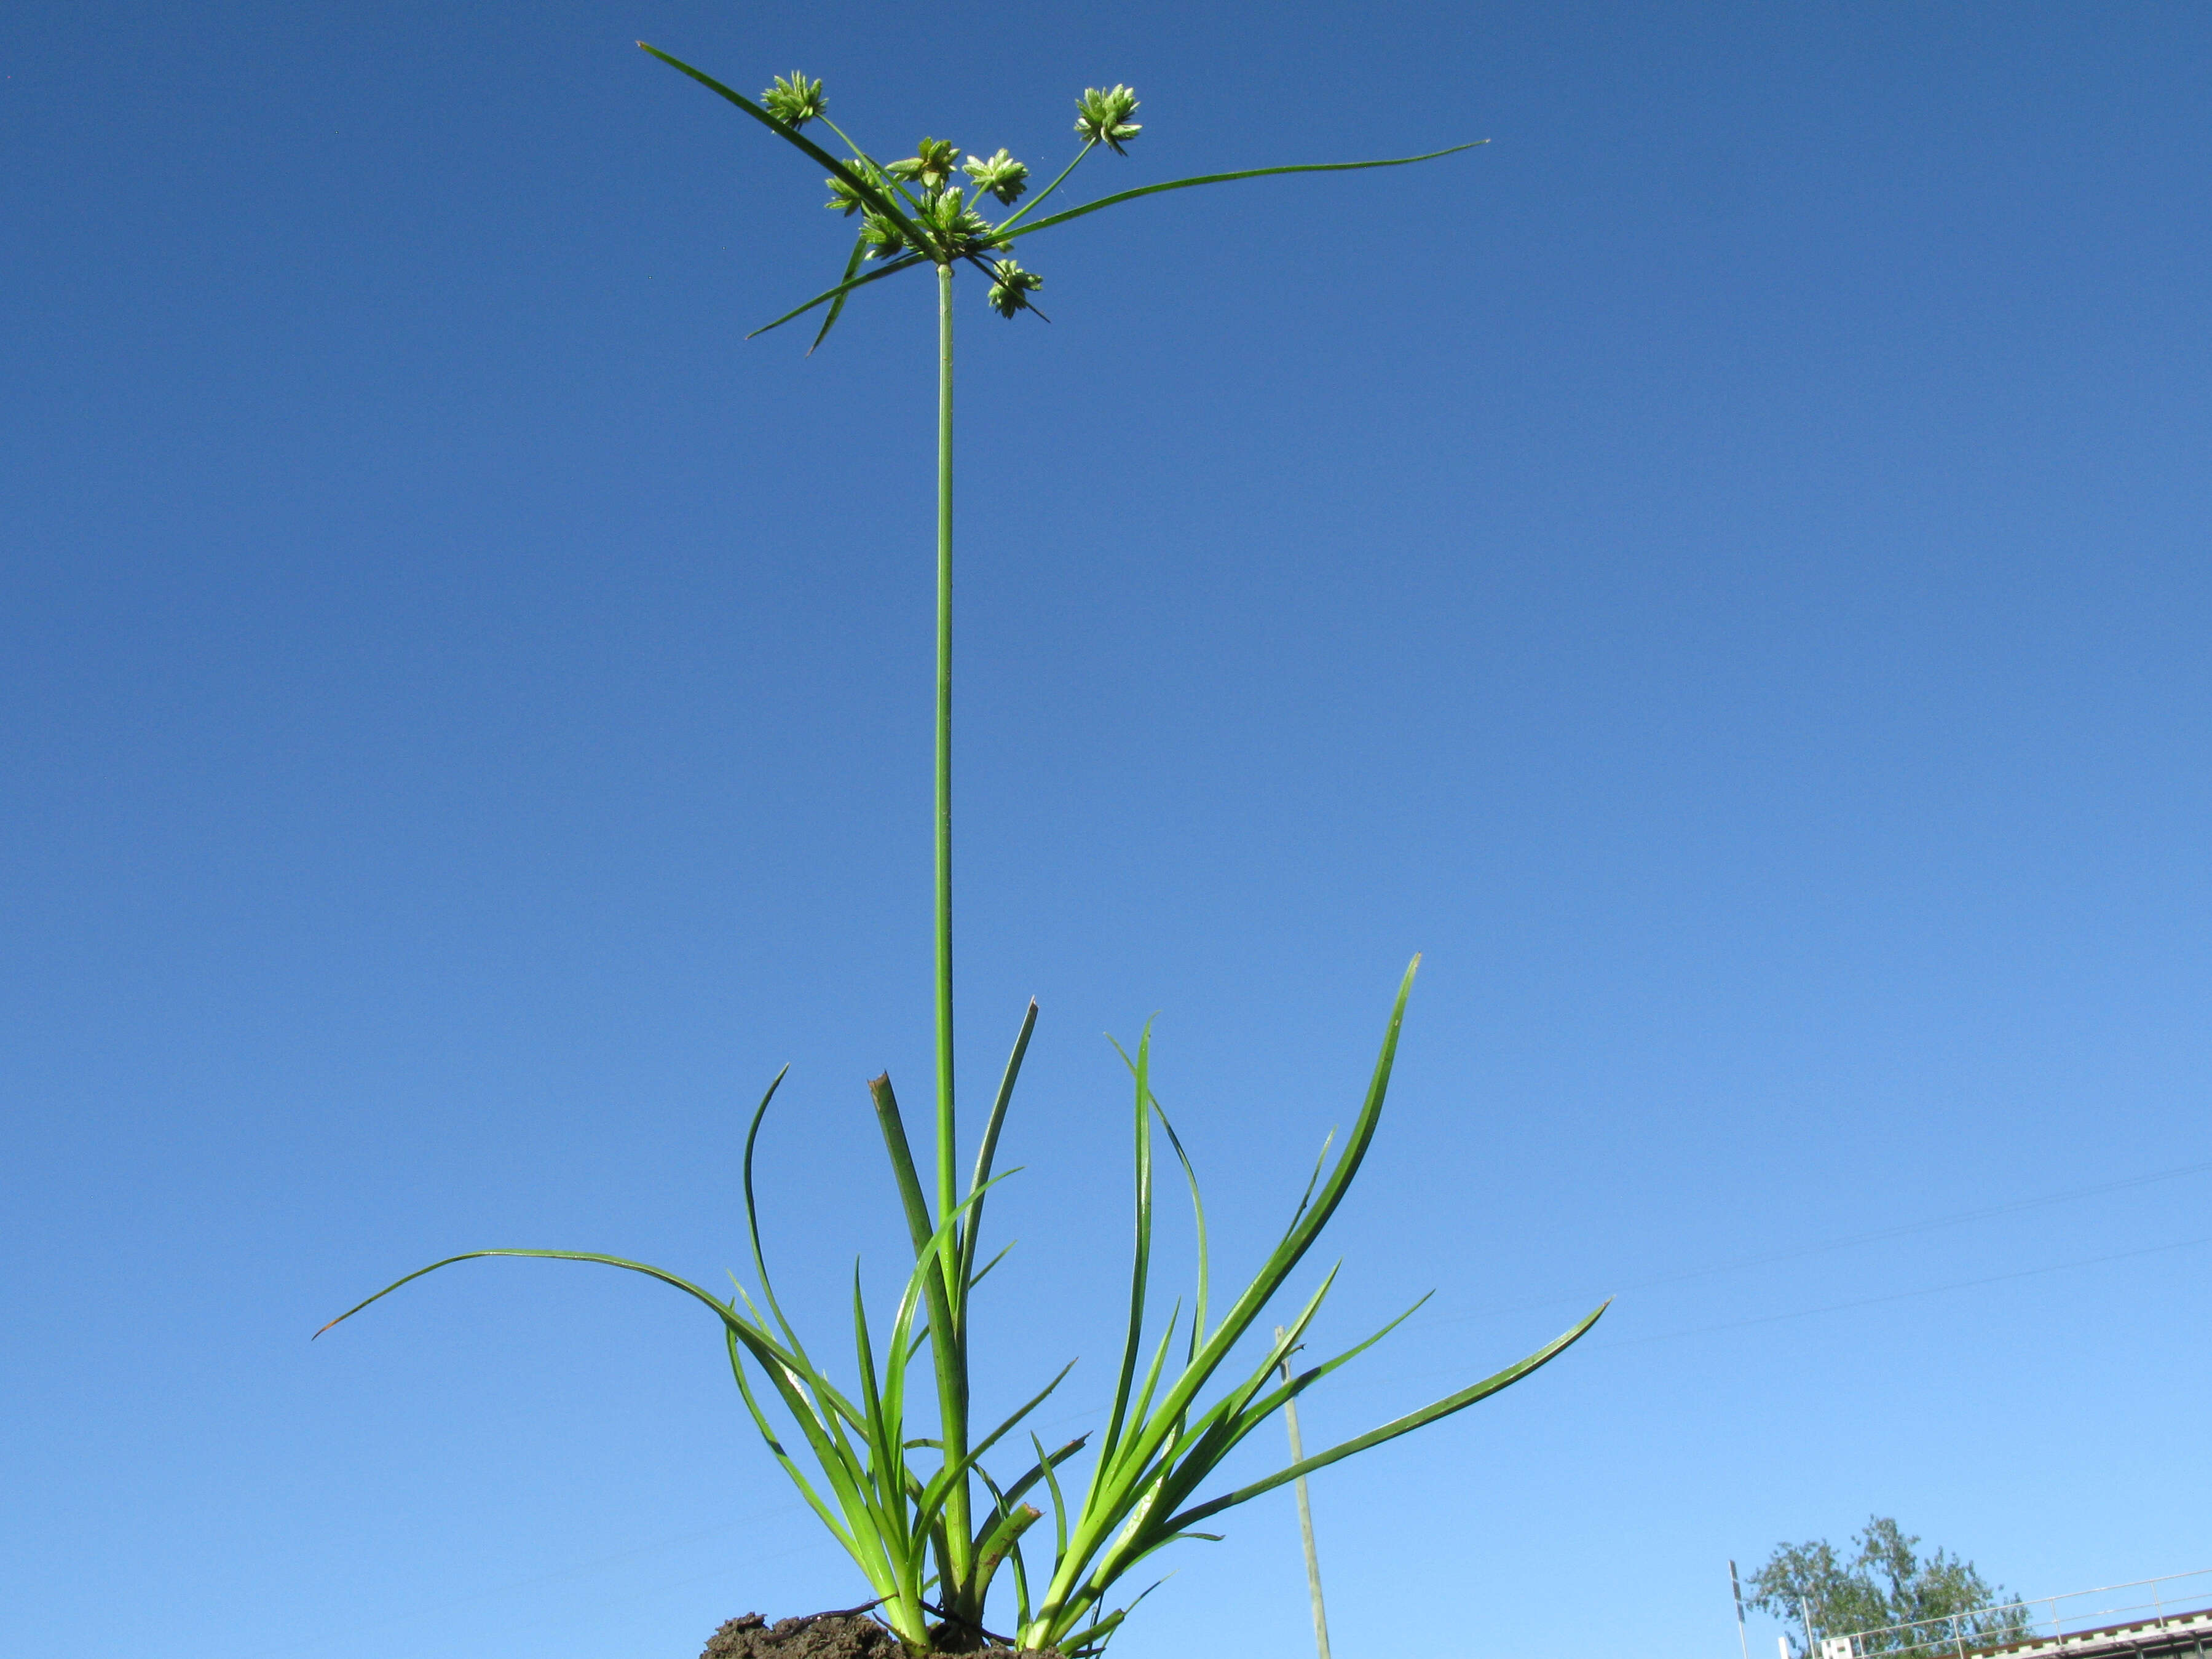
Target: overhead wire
(1903, 1296)
(1794, 1253)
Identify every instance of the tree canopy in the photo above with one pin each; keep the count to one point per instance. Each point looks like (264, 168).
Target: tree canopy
(1883, 1584)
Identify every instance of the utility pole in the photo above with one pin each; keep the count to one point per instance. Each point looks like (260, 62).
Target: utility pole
(1736, 1588)
(1305, 1515)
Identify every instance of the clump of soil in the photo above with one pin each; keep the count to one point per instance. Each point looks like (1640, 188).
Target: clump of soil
(823, 1636)
(826, 1636)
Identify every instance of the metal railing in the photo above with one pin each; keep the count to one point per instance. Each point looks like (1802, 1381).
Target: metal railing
(2178, 1598)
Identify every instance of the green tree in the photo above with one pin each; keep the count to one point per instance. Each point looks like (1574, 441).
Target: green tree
(1885, 1593)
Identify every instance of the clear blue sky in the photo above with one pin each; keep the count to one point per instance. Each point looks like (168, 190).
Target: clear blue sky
(1723, 570)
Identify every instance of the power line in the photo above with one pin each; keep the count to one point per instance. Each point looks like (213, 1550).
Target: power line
(1903, 1296)
(1839, 1307)
(1797, 1252)
(1851, 1240)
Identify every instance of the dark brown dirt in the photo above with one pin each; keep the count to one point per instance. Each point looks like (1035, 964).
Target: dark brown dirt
(822, 1636)
(826, 1636)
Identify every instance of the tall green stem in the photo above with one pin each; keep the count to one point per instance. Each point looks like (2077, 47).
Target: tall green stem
(947, 1345)
(947, 1196)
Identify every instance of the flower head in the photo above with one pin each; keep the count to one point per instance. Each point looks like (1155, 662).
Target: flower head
(843, 198)
(794, 100)
(932, 162)
(957, 229)
(1009, 292)
(1001, 175)
(885, 240)
(1103, 118)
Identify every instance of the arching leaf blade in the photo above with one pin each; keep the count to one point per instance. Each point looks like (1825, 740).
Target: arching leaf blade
(1296, 1241)
(814, 1500)
(1392, 1429)
(722, 1310)
(986, 1151)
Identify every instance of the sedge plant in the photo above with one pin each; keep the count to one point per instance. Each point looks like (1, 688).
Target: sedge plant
(923, 1516)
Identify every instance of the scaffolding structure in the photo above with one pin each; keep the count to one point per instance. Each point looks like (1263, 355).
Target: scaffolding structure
(2163, 1618)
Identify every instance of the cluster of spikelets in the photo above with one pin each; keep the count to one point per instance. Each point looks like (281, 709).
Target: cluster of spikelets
(943, 212)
